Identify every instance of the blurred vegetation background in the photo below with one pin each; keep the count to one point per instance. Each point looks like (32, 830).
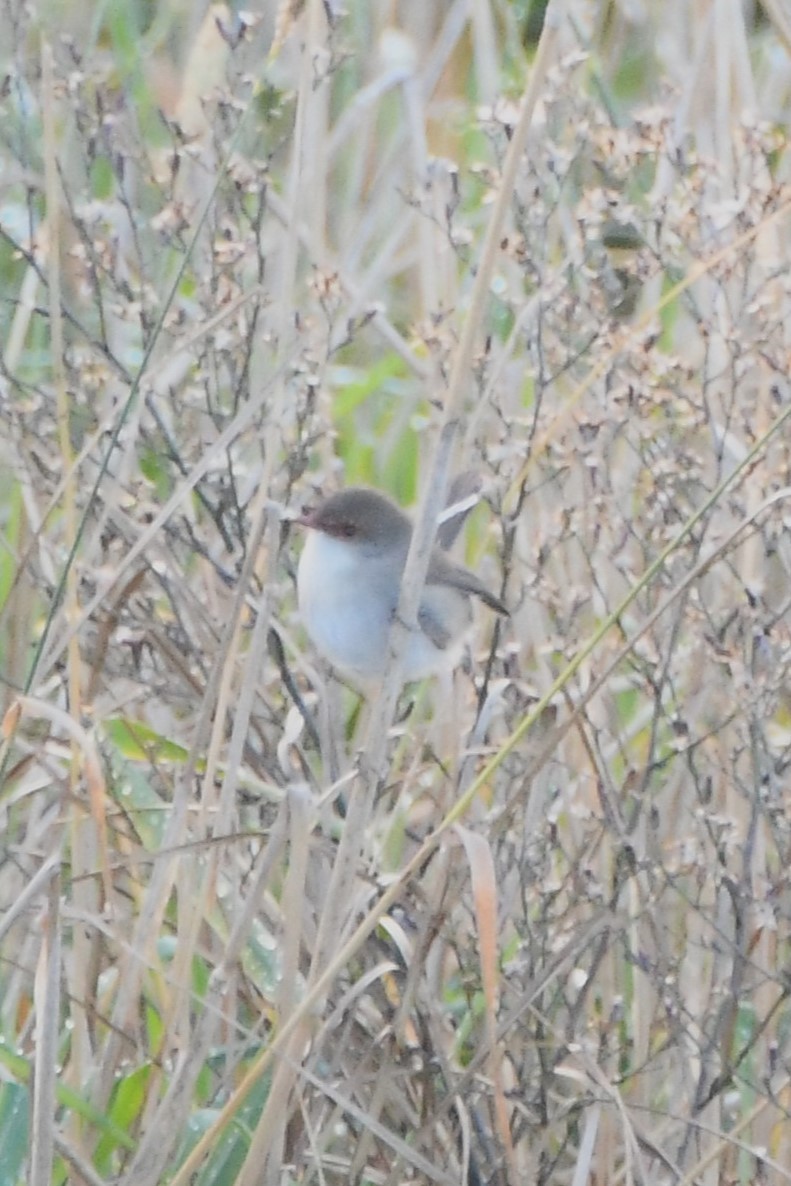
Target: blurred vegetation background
(238, 258)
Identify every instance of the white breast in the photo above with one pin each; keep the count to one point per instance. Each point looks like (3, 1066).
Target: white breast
(347, 625)
(347, 601)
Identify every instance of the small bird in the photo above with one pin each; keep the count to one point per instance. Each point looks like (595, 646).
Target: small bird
(349, 580)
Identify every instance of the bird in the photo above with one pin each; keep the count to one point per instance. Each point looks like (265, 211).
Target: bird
(349, 581)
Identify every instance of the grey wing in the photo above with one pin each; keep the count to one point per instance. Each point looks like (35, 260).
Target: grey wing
(443, 571)
(433, 628)
(444, 613)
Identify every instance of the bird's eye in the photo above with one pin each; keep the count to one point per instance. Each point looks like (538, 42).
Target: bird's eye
(348, 530)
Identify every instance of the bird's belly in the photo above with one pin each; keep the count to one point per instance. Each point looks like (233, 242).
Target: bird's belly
(351, 634)
(347, 623)
(348, 606)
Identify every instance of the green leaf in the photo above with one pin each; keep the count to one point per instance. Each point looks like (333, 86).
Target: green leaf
(14, 1108)
(378, 430)
(154, 470)
(11, 501)
(376, 378)
(139, 742)
(102, 178)
(19, 1068)
(126, 1105)
(231, 1149)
